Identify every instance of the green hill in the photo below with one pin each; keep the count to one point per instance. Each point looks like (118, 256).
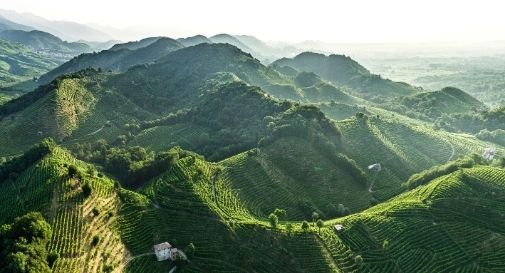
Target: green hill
(432, 105)
(127, 224)
(134, 45)
(229, 39)
(44, 185)
(117, 59)
(453, 224)
(194, 40)
(43, 41)
(108, 228)
(342, 70)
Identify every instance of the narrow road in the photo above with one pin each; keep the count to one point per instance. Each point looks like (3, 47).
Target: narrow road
(97, 131)
(452, 153)
(373, 182)
(137, 256)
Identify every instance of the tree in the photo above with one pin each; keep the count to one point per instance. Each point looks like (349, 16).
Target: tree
(96, 240)
(86, 190)
(315, 216)
(341, 209)
(358, 260)
(289, 228)
(24, 245)
(52, 258)
(281, 214)
(320, 224)
(274, 220)
(72, 171)
(305, 226)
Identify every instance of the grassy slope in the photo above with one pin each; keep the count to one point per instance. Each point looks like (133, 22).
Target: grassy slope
(46, 187)
(187, 205)
(115, 59)
(75, 109)
(448, 100)
(197, 202)
(403, 147)
(454, 224)
(289, 173)
(342, 70)
(184, 205)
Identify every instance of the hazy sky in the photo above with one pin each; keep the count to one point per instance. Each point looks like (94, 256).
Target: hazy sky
(332, 21)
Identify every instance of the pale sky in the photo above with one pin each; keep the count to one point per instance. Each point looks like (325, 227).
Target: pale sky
(323, 20)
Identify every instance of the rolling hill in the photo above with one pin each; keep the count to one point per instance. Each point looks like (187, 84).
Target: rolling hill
(342, 70)
(453, 224)
(432, 105)
(44, 42)
(195, 198)
(194, 40)
(69, 31)
(119, 58)
(199, 145)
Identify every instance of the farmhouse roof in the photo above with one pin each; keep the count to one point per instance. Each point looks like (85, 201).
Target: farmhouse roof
(162, 246)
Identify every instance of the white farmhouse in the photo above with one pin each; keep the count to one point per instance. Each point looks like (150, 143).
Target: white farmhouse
(165, 251)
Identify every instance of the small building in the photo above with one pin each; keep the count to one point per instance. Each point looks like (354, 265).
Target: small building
(375, 167)
(163, 251)
(338, 227)
(489, 153)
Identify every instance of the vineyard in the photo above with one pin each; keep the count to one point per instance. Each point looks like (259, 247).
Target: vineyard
(449, 225)
(190, 202)
(401, 148)
(292, 175)
(46, 187)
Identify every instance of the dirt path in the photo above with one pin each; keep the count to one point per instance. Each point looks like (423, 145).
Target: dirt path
(97, 131)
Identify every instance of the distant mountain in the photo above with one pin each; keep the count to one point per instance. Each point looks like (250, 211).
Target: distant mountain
(229, 39)
(343, 70)
(43, 41)
(194, 40)
(135, 44)
(99, 46)
(68, 31)
(6, 25)
(119, 58)
(269, 52)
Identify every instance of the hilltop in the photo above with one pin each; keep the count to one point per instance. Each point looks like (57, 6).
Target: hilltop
(342, 70)
(119, 58)
(43, 41)
(433, 105)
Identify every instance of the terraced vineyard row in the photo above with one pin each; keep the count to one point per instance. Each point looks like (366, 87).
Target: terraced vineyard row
(277, 178)
(447, 225)
(164, 137)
